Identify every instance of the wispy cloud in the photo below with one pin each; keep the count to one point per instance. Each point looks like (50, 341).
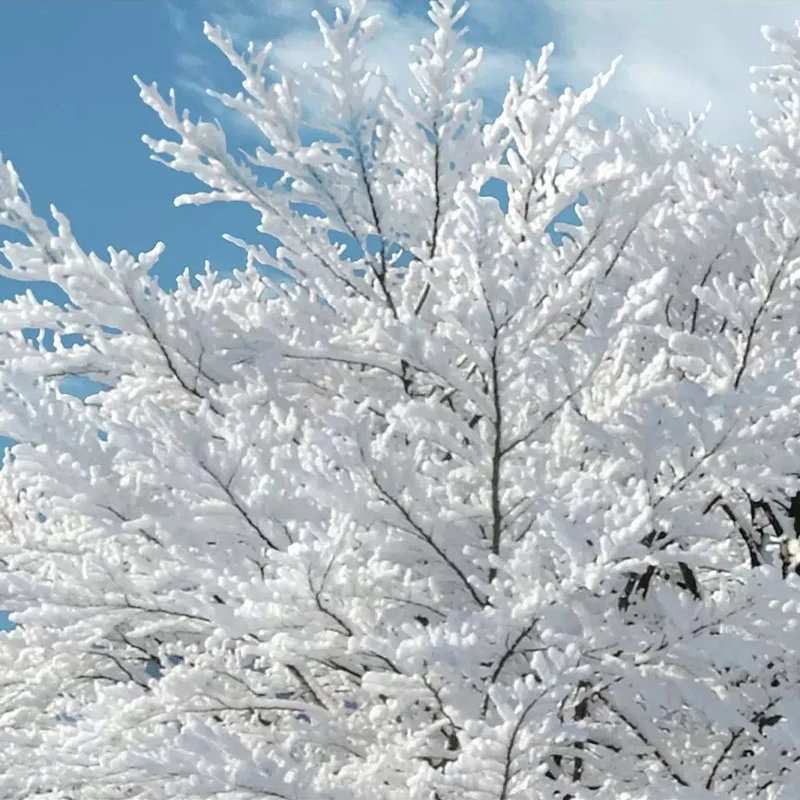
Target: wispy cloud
(678, 55)
(177, 17)
(389, 51)
(259, 21)
(295, 35)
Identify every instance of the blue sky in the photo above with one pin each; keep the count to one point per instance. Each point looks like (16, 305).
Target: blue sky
(72, 121)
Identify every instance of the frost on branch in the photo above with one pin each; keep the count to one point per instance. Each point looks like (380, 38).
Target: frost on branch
(450, 513)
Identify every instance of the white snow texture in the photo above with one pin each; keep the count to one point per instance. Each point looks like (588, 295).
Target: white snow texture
(458, 514)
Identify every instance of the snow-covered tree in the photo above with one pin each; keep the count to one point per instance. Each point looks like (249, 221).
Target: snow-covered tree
(446, 511)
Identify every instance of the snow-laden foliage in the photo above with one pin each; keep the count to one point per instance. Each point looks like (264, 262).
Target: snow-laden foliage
(447, 511)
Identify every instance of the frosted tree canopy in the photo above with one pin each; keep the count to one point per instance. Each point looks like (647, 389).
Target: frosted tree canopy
(422, 504)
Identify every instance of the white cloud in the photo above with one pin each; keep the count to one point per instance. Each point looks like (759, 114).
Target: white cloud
(390, 50)
(296, 39)
(262, 20)
(679, 55)
(177, 17)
